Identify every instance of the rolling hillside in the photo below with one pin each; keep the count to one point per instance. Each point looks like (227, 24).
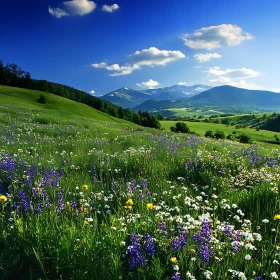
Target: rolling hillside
(19, 97)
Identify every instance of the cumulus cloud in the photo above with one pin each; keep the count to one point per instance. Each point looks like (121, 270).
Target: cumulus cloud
(234, 77)
(73, 8)
(57, 12)
(118, 70)
(146, 57)
(110, 9)
(149, 84)
(92, 92)
(181, 83)
(214, 37)
(203, 57)
(239, 73)
(154, 56)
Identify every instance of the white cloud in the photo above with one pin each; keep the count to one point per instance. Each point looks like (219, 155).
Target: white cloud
(203, 57)
(240, 73)
(73, 8)
(119, 70)
(181, 83)
(149, 84)
(92, 92)
(154, 56)
(198, 66)
(57, 12)
(110, 9)
(79, 7)
(146, 57)
(214, 37)
(233, 77)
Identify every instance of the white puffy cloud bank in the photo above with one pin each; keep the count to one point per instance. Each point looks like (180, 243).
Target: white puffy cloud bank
(149, 84)
(203, 57)
(214, 37)
(234, 77)
(79, 8)
(146, 57)
(110, 9)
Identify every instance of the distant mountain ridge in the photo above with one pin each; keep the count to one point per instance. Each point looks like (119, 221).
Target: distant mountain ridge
(233, 96)
(129, 98)
(229, 98)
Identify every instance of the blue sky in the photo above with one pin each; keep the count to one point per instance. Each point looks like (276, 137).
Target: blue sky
(103, 45)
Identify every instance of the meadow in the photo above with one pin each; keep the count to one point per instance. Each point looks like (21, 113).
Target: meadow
(201, 127)
(85, 198)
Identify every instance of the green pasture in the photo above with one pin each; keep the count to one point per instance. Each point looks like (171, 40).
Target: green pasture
(201, 127)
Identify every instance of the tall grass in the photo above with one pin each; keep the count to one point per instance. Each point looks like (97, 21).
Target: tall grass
(106, 200)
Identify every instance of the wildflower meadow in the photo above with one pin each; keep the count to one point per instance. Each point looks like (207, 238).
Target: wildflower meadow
(86, 199)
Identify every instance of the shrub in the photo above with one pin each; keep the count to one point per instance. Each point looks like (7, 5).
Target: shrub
(230, 137)
(243, 138)
(209, 133)
(42, 99)
(180, 127)
(219, 134)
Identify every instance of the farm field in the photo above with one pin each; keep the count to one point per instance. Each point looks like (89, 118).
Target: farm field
(83, 198)
(201, 127)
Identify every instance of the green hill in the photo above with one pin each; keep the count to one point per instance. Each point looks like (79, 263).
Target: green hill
(19, 97)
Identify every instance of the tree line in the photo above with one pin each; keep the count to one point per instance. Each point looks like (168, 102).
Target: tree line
(12, 75)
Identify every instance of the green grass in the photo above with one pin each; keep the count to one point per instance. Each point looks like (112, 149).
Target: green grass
(18, 97)
(187, 112)
(75, 191)
(201, 127)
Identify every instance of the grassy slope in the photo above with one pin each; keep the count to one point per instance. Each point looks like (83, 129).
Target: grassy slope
(201, 128)
(18, 97)
(67, 246)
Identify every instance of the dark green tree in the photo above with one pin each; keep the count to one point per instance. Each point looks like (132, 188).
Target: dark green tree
(180, 127)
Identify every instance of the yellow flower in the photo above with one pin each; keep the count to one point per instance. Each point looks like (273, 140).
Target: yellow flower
(129, 202)
(85, 222)
(68, 203)
(85, 187)
(277, 217)
(150, 206)
(3, 198)
(129, 207)
(174, 260)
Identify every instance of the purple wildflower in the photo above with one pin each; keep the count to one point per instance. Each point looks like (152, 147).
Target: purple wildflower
(39, 208)
(149, 246)
(234, 237)
(24, 200)
(134, 252)
(203, 239)
(162, 226)
(180, 241)
(60, 204)
(176, 276)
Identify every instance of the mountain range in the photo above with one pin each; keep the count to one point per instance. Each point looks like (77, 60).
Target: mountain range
(229, 98)
(130, 98)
